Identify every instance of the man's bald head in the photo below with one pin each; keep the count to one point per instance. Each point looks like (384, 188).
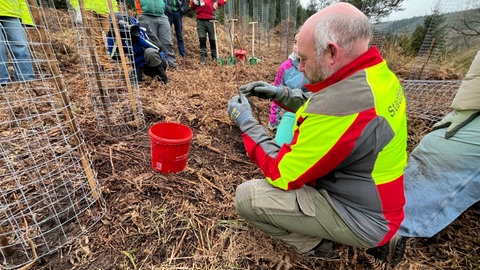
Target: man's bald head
(341, 23)
(334, 36)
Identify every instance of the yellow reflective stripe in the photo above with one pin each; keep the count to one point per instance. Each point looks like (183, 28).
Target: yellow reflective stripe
(99, 6)
(26, 17)
(390, 162)
(312, 144)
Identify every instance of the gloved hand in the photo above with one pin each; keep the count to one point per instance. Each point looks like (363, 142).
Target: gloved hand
(78, 18)
(196, 2)
(455, 121)
(261, 89)
(239, 109)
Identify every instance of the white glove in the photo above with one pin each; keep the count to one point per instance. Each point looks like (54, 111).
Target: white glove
(196, 2)
(202, 3)
(78, 18)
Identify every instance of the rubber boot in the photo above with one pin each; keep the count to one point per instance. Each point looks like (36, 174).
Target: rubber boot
(213, 49)
(203, 50)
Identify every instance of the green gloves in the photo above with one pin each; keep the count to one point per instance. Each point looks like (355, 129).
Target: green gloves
(455, 121)
(239, 109)
(261, 89)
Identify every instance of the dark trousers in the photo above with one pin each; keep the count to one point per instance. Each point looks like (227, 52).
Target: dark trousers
(176, 19)
(204, 29)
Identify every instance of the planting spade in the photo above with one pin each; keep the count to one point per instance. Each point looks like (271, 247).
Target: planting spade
(219, 60)
(253, 60)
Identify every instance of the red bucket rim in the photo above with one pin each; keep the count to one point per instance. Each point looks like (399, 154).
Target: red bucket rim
(240, 52)
(188, 136)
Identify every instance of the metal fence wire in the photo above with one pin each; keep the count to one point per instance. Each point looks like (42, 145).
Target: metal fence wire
(429, 99)
(111, 81)
(49, 193)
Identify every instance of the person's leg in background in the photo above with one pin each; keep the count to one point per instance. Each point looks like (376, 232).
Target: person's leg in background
(211, 39)
(150, 23)
(177, 18)
(4, 76)
(202, 38)
(13, 37)
(164, 34)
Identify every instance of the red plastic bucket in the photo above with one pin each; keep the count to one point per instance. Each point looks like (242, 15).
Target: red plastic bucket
(170, 145)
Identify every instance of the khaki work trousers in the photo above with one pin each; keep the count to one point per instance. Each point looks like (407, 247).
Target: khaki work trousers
(300, 218)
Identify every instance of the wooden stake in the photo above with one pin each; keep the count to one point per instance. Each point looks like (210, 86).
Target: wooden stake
(95, 67)
(118, 40)
(253, 37)
(232, 34)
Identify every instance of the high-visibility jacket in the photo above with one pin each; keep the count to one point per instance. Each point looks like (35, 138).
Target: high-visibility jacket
(350, 140)
(97, 6)
(150, 7)
(17, 9)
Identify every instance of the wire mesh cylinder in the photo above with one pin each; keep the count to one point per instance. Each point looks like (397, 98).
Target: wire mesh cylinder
(49, 194)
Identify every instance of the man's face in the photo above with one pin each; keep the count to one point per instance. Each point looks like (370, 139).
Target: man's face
(314, 68)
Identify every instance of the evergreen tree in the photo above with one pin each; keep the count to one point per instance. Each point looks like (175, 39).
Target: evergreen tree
(377, 9)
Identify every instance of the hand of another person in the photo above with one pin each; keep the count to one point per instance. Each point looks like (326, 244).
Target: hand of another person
(215, 5)
(455, 121)
(239, 109)
(78, 18)
(261, 89)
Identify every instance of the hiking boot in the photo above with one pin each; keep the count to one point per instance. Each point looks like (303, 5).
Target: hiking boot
(388, 254)
(204, 60)
(324, 251)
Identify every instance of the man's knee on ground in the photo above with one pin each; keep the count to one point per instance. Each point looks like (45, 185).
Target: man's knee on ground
(243, 200)
(156, 66)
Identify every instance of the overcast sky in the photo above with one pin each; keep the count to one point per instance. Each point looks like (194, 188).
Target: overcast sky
(424, 7)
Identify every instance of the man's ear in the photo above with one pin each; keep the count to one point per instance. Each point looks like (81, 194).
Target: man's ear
(332, 52)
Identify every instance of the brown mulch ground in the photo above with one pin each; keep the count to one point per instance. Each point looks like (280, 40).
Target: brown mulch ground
(187, 220)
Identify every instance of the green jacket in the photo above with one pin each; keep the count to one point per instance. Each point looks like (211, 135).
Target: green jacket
(150, 7)
(98, 6)
(17, 9)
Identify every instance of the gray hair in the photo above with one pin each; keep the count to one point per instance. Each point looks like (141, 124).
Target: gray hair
(342, 30)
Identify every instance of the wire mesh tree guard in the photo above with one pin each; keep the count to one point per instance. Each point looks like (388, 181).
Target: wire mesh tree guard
(288, 15)
(243, 17)
(112, 84)
(429, 99)
(49, 194)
